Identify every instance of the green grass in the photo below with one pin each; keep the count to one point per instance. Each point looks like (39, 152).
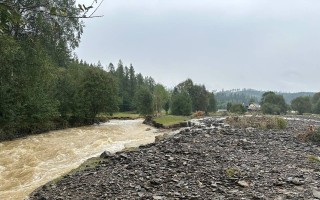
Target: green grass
(168, 120)
(126, 115)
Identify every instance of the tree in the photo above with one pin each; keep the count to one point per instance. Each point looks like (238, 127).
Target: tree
(199, 97)
(132, 82)
(121, 83)
(229, 104)
(17, 13)
(186, 85)
(315, 98)
(140, 81)
(237, 108)
(198, 94)
(111, 69)
(272, 103)
(212, 103)
(167, 106)
(149, 83)
(301, 104)
(316, 108)
(181, 103)
(144, 101)
(99, 92)
(160, 97)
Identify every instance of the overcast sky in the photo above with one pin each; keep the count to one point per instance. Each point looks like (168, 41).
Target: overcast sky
(224, 44)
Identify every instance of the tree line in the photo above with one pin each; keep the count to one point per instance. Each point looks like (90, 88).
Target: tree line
(246, 96)
(275, 104)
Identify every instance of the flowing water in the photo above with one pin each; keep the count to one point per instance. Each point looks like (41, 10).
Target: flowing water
(28, 163)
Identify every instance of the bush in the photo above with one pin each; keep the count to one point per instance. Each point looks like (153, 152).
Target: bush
(144, 101)
(272, 103)
(181, 104)
(315, 136)
(237, 108)
(301, 104)
(281, 123)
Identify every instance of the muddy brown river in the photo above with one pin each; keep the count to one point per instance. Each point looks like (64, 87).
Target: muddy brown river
(28, 163)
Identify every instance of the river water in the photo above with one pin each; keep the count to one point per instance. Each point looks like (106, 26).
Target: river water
(28, 163)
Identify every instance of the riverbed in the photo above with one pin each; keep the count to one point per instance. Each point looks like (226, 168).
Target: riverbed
(28, 163)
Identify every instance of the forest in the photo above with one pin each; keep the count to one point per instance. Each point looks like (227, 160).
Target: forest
(43, 85)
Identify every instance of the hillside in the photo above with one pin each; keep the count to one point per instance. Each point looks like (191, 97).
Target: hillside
(247, 95)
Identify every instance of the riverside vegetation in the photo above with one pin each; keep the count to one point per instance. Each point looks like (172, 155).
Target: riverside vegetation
(43, 86)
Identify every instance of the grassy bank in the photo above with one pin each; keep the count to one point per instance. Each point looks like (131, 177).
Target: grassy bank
(168, 120)
(128, 115)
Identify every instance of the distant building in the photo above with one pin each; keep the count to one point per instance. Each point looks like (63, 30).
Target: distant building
(254, 107)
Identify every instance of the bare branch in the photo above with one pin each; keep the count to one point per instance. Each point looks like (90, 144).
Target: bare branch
(96, 8)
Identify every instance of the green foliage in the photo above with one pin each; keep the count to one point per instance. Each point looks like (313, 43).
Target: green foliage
(229, 105)
(167, 106)
(98, 92)
(212, 103)
(232, 172)
(181, 104)
(301, 104)
(280, 123)
(315, 98)
(200, 97)
(315, 136)
(41, 86)
(316, 108)
(144, 101)
(272, 103)
(248, 96)
(237, 108)
(161, 97)
(236, 96)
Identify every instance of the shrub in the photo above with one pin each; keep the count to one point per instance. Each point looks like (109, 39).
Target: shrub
(232, 172)
(315, 136)
(237, 108)
(281, 123)
(272, 103)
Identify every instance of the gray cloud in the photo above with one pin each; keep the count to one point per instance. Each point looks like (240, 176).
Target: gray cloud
(222, 44)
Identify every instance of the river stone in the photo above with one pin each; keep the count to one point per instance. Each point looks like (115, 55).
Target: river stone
(106, 154)
(316, 194)
(244, 184)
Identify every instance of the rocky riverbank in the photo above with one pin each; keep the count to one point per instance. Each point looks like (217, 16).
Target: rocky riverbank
(210, 160)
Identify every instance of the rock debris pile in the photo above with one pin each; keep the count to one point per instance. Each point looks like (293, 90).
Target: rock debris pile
(210, 160)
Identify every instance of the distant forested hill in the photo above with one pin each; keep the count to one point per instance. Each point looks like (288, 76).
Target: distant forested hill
(247, 95)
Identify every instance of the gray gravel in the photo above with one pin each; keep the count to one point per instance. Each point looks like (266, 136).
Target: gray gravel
(210, 160)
